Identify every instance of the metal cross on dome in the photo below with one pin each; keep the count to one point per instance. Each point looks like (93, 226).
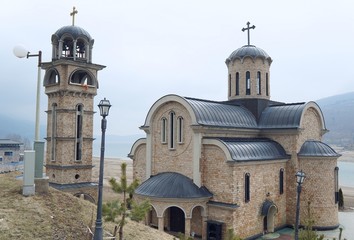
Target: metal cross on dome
(73, 14)
(248, 30)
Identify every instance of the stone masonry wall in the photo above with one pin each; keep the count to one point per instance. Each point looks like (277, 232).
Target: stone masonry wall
(164, 158)
(226, 182)
(319, 189)
(139, 163)
(253, 66)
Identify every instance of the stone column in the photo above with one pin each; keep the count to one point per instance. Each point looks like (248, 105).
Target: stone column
(187, 227)
(160, 223)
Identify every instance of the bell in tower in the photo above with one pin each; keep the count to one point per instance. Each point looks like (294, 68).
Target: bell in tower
(71, 84)
(248, 72)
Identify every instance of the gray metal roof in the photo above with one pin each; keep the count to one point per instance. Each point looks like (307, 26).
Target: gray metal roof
(314, 148)
(249, 51)
(9, 142)
(282, 116)
(212, 113)
(254, 149)
(74, 31)
(171, 185)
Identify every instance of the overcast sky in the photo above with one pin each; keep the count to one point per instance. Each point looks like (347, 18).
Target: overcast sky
(158, 47)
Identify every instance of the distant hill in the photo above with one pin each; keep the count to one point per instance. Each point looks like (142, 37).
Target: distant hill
(339, 117)
(17, 126)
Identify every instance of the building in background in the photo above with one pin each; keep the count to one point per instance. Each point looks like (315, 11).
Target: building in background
(10, 151)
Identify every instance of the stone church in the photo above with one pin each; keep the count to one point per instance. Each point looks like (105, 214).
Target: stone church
(207, 166)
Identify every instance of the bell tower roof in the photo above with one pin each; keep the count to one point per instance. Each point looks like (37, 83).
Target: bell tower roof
(74, 31)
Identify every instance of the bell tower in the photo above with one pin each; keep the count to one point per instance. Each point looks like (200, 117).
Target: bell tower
(71, 84)
(248, 71)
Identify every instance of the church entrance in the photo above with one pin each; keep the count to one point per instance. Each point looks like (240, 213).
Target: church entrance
(268, 212)
(177, 220)
(269, 219)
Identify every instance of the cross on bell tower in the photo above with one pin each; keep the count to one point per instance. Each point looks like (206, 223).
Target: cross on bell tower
(248, 30)
(73, 14)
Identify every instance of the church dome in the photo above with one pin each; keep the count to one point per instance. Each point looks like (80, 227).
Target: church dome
(74, 31)
(249, 51)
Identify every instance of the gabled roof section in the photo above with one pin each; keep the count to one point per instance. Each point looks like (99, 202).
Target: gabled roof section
(220, 114)
(253, 149)
(313, 148)
(282, 116)
(208, 113)
(171, 185)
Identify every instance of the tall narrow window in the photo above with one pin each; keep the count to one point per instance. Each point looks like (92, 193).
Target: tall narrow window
(336, 185)
(247, 188)
(248, 83)
(229, 84)
(281, 181)
(54, 131)
(267, 85)
(259, 86)
(180, 129)
(163, 130)
(79, 116)
(237, 84)
(172, 130)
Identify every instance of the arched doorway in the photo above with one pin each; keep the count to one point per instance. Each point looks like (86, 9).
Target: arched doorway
(268, 211)
(176, 219)
(197, 222)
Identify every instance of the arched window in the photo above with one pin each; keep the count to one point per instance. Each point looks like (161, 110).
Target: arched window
(180, 129)
(51, 77)
(248, 83)
(247, 188)
(54, 131)
(267, 85)
(68, 48)
(79, 120)
(336, 185)
(281, 181)
(172, 130)
(80, 49)
(229, 84)
(237, 84)
(259, 86)
(163, 130)
(82, 77)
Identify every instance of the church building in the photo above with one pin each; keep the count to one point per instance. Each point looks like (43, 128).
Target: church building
(208, 166)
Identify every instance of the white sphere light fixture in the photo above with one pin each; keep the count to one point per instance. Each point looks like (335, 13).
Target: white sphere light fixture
(20, 51)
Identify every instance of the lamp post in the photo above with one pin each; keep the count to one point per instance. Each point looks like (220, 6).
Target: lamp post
(38, 145)
(104, 110)
(300, 177)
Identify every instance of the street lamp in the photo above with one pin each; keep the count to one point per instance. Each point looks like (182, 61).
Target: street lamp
(38, 145)
(104, 111)
(300, 177)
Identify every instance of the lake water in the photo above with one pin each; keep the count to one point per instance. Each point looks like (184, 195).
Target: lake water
(346, 174)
